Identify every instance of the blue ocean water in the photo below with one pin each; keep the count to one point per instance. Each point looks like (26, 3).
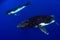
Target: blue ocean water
(8, 23)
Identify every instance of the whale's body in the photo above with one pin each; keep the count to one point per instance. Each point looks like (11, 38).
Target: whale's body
(14, 11)
(37, 21)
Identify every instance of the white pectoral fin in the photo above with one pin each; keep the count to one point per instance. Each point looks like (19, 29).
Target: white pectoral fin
(44, 30)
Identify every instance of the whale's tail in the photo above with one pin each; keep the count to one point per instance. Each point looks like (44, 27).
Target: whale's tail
(28, 3)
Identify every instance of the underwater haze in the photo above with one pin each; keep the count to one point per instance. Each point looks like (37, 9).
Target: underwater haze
(8, 23)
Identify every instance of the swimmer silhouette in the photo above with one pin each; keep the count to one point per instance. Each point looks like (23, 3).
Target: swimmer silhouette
(37, 22)
(14, 11)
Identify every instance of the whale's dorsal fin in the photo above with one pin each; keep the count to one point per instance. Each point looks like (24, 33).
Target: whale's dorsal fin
(43, 29)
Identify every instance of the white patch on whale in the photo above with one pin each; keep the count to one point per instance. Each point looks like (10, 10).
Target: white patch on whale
(43, 29)
(44, 24)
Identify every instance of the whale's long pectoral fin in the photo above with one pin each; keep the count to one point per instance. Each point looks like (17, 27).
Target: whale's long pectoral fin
(44, 30)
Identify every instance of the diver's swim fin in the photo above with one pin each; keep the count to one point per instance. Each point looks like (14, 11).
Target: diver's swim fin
(44, 30)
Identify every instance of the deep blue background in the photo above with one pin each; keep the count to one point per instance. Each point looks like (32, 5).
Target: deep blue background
(8, 29)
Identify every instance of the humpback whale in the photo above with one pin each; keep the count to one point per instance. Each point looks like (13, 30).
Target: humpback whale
(38, 22)
(14, 11)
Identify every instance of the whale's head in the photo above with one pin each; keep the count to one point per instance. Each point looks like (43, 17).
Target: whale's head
(47, 20)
